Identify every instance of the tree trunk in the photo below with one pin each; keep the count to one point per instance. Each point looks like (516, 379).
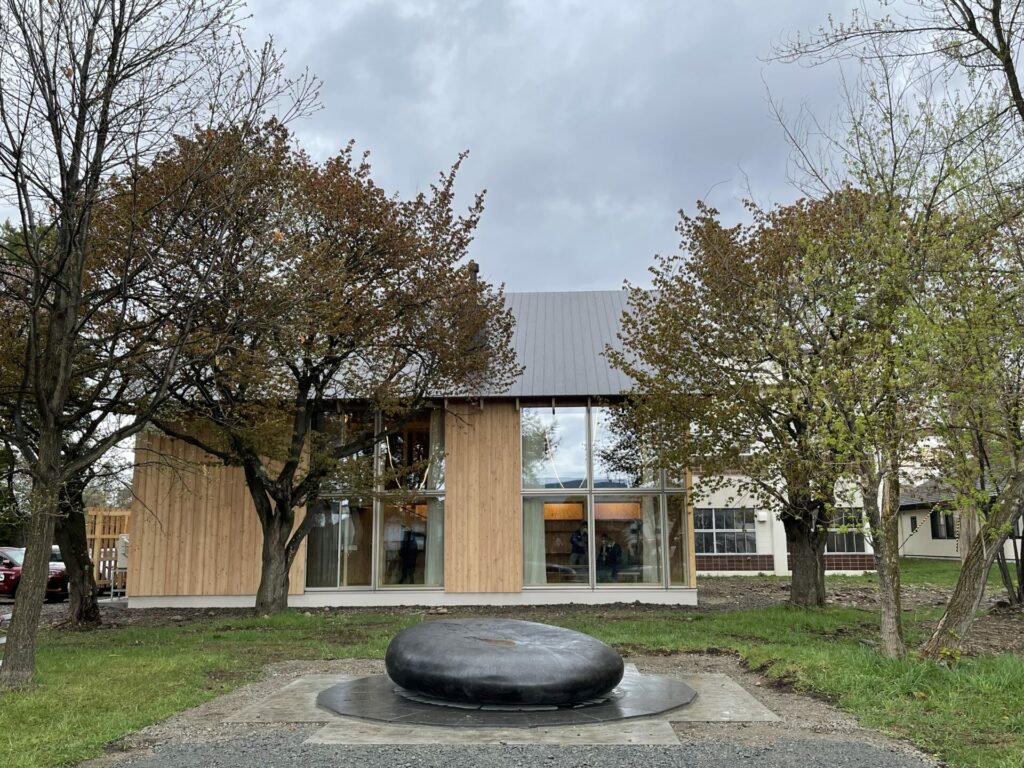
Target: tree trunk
(887, 562)
(20, 650)
(956, 622)
(272, 595)
(884, 519)
(1004, 572)
(83, 603)
(806, 561)
(968, 533)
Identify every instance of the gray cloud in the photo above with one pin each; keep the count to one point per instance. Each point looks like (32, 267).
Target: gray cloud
(589, 123)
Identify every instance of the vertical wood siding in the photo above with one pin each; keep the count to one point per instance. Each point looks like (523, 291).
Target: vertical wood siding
(691, 552)
(193, 529)
(483, 528)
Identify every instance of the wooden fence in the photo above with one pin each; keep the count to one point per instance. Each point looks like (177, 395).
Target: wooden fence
(103, 525)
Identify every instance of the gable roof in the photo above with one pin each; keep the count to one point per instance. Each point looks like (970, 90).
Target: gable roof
(928, 494)
(560, 338)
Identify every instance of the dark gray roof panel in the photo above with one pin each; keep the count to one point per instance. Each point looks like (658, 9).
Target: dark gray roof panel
(929, 494)
(560, 338)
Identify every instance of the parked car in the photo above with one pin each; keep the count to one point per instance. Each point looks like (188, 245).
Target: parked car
(11, 559)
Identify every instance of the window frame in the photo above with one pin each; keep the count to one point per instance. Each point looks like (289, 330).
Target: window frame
(715, 530)
(382, 497)
(661, 489)
(942, 522)
(859, 531)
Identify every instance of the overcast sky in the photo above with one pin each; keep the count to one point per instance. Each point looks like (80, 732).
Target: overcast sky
(589, 123)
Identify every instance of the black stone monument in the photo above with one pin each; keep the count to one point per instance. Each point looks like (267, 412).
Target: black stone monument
(502, 672)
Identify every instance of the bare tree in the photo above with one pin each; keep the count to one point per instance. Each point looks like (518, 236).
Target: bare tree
(976, 40)
(90, 92)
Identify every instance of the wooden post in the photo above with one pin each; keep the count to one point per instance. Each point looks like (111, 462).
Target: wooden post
(692, 554)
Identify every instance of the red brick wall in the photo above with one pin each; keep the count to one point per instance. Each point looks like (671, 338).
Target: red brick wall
(855, 562)
(851, 562)
(735, 563)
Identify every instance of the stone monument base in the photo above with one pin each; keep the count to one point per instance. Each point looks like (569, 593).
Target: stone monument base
(378, 698)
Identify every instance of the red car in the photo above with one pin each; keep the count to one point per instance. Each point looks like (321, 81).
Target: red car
(11, 559)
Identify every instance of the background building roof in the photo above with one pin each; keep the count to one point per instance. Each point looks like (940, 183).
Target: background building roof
(560, 338)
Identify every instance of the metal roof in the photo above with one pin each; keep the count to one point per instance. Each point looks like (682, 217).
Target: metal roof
(560, 338)
(929, 493)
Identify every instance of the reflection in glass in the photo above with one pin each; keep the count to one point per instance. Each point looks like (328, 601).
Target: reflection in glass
(554, 447)
(349, 437)
(414, 453)
(627, 540)
(412, 543)
(555, 541)
(621, 459)
(678, 564)
(339, 545)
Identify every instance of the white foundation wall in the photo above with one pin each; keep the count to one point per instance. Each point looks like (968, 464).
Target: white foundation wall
(432, 598)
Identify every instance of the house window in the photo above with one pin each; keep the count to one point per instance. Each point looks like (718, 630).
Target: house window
(724, 531)
(943, 525)
(556, 540)
(913, 523)
(678, 539)
(627, 539)
(595, 510)
(412, 543)
(339, 546)
(621, 460)
(554, 444)
(412, 455)
(846, 536)
(395, 538)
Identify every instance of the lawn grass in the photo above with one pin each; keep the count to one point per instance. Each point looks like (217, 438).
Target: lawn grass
(96, 687)
(922, 572)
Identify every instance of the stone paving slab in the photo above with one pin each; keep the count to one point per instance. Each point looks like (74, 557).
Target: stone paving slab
(720, 699)
(293, 703)
(350, 731)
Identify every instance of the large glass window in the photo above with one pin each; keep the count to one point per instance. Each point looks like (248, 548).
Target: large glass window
(556, 541)
(339, 548)
(724, 531)
(412, 543)
(627, 539)
(614, 523)
(554, 442)
(413, 453)
(678, 540)
(397, 538)
(621, 459)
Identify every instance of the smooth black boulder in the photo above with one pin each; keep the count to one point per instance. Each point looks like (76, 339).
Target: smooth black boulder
(502, 661)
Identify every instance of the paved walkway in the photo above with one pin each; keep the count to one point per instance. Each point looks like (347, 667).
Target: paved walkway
(736, 722)
(292, 749)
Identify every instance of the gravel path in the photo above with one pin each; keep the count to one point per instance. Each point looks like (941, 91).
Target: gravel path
(286, 749)
(810, 734)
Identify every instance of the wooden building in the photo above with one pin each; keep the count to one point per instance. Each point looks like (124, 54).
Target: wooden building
(525, 498)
